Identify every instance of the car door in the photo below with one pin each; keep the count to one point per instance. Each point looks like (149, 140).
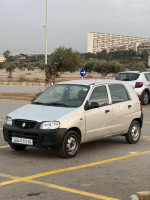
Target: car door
(122, 108)
(98, 119)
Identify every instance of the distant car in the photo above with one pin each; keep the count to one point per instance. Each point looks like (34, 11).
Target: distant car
(140, 82)
(74, 112)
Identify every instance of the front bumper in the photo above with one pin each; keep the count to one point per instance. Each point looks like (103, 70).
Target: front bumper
(41, 138)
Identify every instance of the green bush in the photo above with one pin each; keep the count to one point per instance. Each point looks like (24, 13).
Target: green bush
(22, 79)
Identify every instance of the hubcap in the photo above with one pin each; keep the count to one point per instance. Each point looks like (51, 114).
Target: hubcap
(72, 145)
(135, 132)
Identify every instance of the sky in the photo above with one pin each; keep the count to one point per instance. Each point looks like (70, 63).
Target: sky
(69, 22)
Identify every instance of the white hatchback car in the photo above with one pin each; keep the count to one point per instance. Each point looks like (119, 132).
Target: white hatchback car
(70, 113)
(140, 81)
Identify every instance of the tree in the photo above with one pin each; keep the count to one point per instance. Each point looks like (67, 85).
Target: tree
(138, 66)
(144, 55)
(106, 67)
(66, 59)
(1, 65)
(62, 60)
(90, 65)
(10, 66)
(7, 54)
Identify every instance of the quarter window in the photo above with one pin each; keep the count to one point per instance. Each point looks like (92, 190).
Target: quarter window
(99, 95)
(118, 93)
(147, 76)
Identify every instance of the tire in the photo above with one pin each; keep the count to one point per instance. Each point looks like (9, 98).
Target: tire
(17, 147)
(145, 98)
(134, 133)
(70, 145)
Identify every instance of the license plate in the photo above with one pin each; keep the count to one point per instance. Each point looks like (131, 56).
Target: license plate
(22, 141)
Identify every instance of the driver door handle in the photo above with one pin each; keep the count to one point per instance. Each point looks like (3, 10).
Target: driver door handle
(107, 111)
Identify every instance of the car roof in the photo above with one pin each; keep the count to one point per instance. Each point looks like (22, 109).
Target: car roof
(130, 72)
(135, 72)
(91, 82)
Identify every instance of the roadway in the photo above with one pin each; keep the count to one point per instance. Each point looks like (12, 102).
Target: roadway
(109, 169)
(21, 89)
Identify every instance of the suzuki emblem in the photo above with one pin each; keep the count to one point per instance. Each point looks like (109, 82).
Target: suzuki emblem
(23, 125)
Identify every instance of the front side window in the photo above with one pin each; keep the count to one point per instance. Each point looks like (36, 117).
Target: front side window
(99, 95)
(127, 76)
(118, 93)
(63, 95)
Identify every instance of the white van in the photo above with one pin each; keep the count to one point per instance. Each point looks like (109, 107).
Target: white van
(73, 112)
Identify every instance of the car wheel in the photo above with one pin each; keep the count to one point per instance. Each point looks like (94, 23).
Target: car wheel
(134, 133)
(70, 145)
(18, 147)
(145, 98)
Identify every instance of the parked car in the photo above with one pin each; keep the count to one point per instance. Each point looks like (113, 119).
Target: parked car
(74, 112)
(140, 81)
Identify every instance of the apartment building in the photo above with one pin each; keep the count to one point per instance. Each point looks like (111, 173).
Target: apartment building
(100, 41)
(144, 46)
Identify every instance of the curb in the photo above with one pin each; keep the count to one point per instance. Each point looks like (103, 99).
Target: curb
(22, 83)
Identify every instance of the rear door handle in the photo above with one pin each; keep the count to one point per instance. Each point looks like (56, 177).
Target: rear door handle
(129, 106)
(107, 111)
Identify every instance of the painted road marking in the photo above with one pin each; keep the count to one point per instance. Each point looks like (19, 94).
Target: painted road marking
(58, 187)
(88, 194)
(71, 168)
(146, 122)
(145, 137)
(2, 147)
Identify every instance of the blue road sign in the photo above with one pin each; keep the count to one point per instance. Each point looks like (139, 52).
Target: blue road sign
(82, 72)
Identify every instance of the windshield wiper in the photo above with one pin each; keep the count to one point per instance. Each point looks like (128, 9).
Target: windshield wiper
(56, 104)
(39, 103)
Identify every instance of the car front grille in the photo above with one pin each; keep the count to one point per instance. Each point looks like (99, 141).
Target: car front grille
(25, 124)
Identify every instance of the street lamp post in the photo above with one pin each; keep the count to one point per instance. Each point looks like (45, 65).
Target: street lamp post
(46, 37)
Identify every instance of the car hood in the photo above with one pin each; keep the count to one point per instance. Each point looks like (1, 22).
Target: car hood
(39, 113)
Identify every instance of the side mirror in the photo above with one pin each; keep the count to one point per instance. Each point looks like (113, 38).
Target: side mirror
(32, 100)
(91, 105)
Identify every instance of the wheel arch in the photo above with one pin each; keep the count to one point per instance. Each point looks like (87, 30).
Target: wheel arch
(146, 90)
(138, 120)
(76, 129)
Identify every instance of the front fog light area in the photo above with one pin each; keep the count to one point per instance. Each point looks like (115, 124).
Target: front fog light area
(50, 125)
(8, 121)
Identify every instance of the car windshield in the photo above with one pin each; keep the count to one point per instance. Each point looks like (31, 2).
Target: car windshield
(64, 95)
(127, 76)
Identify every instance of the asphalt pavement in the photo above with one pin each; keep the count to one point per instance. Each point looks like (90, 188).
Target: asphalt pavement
(21, 89)
(108, 169)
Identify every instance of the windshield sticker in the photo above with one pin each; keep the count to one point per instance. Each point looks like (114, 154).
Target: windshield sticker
(85, 89)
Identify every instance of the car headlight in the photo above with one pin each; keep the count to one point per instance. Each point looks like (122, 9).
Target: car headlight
(50, 125)
(8, 121)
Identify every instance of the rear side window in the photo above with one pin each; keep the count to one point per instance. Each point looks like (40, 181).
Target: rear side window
(147, 76)
(127, 76)
(118, 93)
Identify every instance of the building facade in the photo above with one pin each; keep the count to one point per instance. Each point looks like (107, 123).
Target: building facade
(2, 58)
(100, 41)
(144, 46)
